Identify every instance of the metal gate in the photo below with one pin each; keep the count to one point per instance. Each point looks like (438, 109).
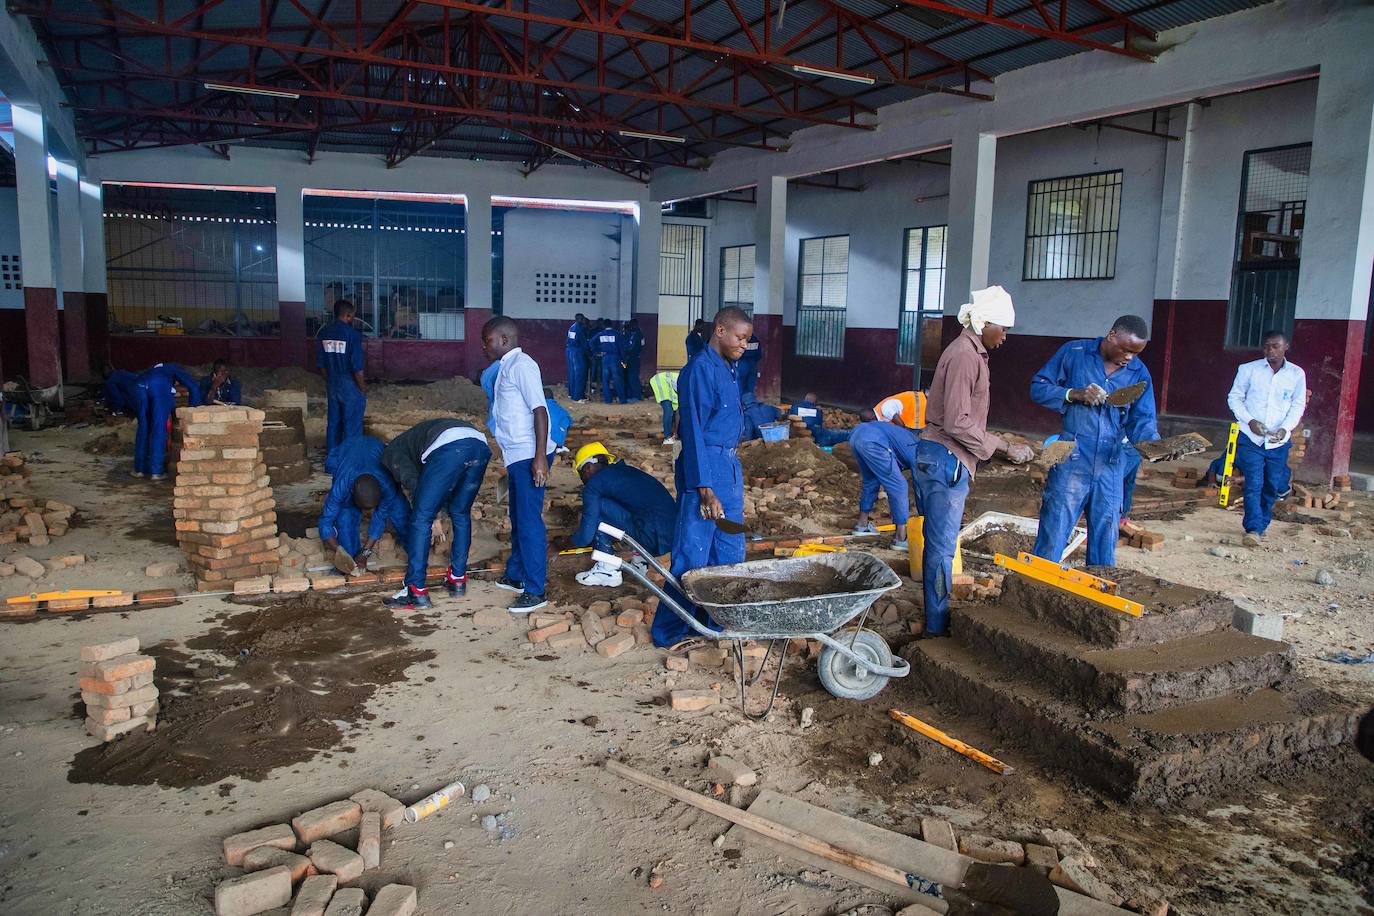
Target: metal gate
(682, 266)
(1273, 211)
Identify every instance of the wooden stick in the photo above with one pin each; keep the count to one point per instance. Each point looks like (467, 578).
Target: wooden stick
(775, 831)
(954, 744)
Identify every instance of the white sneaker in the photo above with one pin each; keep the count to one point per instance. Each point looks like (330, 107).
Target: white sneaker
(901, 545)
(602, 575)
(670, 441)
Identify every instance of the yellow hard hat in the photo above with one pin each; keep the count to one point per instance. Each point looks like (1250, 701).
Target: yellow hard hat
(588, 452)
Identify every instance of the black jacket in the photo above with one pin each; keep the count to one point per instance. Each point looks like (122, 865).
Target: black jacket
(402, 456)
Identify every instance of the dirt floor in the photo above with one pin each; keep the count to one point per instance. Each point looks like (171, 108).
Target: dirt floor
(274, 706)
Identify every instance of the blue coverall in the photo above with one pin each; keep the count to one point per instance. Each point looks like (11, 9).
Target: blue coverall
(882, 451)
(1091, 477)
(816, 423)
(341, 355)
(606, 344)
(631, 346)
(340, 518)
(575, 352)
(749, 367)
(156, 401)
(1130, 466)
(229, 392)
(629, 499)
(709, 426)
(695, 343)
(560, 421)
(121, 392)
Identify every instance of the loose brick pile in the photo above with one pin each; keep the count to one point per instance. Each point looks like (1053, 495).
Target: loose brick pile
(22, 518)
(275, 871)
(117, 688)
(609, 629)
(223, 506)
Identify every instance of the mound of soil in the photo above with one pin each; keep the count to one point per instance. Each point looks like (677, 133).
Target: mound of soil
(286, 681)
(1001, 540)
(803, 583)
(788, 458)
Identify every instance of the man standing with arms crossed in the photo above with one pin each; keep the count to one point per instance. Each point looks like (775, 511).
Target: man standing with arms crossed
(340, 358)
(1267, 398)
(707, 475)
(520, 422)
(955, 439)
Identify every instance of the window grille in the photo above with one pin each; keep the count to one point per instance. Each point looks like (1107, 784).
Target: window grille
(1071, 227)
(923, 294)
(823, 296)
(737, 278)
(1273, 210)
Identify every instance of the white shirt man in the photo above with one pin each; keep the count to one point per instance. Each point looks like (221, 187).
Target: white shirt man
(519, 390)
(1267, 398)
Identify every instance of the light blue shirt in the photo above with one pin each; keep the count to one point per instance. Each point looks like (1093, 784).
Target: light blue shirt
(1276, 399)
(519, 390)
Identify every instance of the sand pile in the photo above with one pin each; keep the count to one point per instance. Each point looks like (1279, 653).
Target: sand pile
(789, 458)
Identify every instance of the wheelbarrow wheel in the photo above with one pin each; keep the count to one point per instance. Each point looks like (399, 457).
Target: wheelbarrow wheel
(841, 675)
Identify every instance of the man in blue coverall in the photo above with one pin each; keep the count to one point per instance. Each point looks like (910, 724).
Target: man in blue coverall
(121, 392)
(625, 497)
(220, 386)
(156, 401)
(1076, 382)
(361, 484)
(749, 368)
(631, 347)
(340, 358)
(707, 474)
(578, 359)
(883, 449)
(756, 415)
(697, 337)
(814, 418)
(606, 344)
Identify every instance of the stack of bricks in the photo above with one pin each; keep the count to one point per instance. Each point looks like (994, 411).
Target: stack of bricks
(283, 445)
(1132, 535)
(225, 514)
(14, 474)
(1187, 478)
(117, 688)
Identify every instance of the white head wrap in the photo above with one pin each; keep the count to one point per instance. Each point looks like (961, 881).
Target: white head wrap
(889, 409)
(991, 304)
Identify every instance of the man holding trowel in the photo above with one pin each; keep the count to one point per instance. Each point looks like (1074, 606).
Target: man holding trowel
(955, 439)
(708, 477)
(360, 484)
(1106, 396)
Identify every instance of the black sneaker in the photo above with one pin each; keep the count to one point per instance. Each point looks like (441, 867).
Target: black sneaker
(510, 584)
(527, 603)
(456, 587)
(407, 599)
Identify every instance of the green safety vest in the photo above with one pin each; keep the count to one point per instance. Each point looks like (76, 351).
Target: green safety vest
(664, 385)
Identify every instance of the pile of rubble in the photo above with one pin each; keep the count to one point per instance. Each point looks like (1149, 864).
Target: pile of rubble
(610, 629)
(274, 872)
(22, 518)
(117, 688)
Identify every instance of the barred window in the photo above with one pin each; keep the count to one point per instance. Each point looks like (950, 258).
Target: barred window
(823, 296)
(681, 269)
(737, 277)
(923, 296)
(1071, 227)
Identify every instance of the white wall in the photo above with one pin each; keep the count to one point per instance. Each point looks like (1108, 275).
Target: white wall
(9, 244)
(561, 241)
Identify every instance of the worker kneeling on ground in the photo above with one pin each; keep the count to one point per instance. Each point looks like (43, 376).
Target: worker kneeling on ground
(884, 448)
(361, 485)
(811, 414)
(626, 498)
(440, 463)
(757, 415)
(157, 398)
(1077, 382)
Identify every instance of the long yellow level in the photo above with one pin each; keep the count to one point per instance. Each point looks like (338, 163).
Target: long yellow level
(1074, 581)
(67, 593)
(1228, 467)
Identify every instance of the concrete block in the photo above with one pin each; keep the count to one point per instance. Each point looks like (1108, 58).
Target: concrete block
(107, 650)
(1041, 857)
(237, 846)
(1072, 874)
(350, 901)
(1258, 623)
(333, 859)
(1362, 482)
(938, 832)
(370, 839)
(254, 893)
(989, 849)
(271, 857)
(394, 900)
(327, 820)
(389, 808)
(314, 894)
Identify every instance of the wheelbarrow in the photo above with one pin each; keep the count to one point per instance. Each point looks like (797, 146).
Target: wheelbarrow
(855, 666)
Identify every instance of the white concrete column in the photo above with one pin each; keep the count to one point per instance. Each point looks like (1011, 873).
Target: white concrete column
(1175, 199)
(70, 254)
(477, 226)
(93, 257)
(290, 244)
(625, 275)
(648, 241)
(973, 159)
(33, 197)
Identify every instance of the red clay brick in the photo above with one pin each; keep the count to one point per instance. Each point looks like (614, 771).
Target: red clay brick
(278, 835)
(102, 651)
(123, 666)
(327, 820)
(254, 893)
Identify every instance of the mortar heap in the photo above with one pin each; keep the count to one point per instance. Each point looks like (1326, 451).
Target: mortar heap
(1150, 708)
(223, 505)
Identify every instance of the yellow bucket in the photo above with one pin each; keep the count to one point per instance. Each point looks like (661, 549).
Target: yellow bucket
(916, 545)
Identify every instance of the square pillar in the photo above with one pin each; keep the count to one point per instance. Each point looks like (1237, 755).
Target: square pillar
(477, 299)
(1174, 202)
(37, 263)
(75, 338)
(973, 160)
(295, 347)
(648, 243)
(1337, 250)
(93, 283)
(770, 280)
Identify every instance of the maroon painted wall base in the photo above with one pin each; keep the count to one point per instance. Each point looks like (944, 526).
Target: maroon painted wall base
(1332, 352)
(43, 336)
(768, 329)
(75, 338)
(294, 342)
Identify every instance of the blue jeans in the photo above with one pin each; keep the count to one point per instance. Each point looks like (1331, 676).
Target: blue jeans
(1084, 482)
(611, 380)
(345, 415)
(1266, 476)
(450, 478)
(941, 488)
(877, 465)
(632, 383)
(829, 437)
(529, 540)
(668, 414)
(150, 441)
(1130, 465)
(577, 373)
(697, 542)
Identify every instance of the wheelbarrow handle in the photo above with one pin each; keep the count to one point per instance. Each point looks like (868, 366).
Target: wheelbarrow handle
(664, 599)
(619, 534)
